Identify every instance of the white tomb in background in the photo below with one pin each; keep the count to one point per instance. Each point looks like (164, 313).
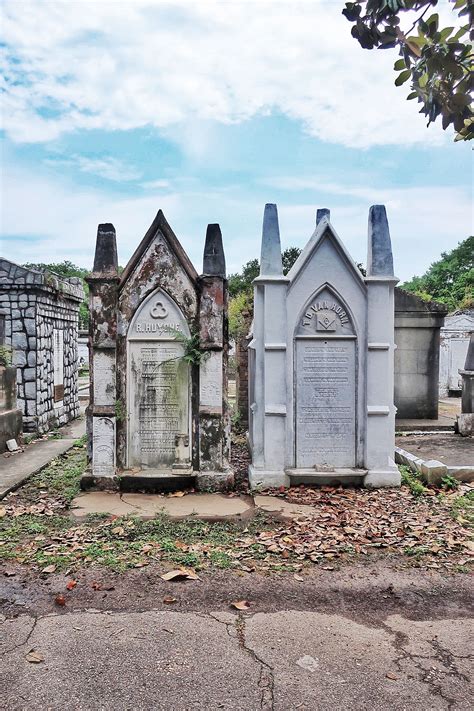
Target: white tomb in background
(321, 361)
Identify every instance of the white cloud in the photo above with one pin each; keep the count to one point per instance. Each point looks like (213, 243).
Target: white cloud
(72, 65)
(106, 167)
(63, 219)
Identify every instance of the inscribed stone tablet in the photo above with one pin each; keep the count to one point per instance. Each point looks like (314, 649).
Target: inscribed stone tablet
(325, 403)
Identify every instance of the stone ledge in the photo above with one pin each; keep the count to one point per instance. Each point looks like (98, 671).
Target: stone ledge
(432, 471)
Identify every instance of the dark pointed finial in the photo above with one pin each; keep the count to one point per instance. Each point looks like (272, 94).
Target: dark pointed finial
(321, 213)
(469, 364)
(105, 259)
(214, 258)
(379, 253)
(270, 257)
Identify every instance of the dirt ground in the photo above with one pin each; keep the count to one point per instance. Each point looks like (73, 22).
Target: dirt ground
(448, 448)
(365, 592)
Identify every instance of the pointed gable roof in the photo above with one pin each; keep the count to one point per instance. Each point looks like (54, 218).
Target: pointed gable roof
(160, 224)
(324, 231)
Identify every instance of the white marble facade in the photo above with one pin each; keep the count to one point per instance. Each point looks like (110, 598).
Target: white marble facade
(321, 361)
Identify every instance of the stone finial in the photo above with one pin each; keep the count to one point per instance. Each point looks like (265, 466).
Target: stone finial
(322, 213)
(469, 364)
(214, 258)
(379, 253)
(105, 259)
(270, 256)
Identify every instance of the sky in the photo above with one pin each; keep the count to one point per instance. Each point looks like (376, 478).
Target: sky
(112, 110)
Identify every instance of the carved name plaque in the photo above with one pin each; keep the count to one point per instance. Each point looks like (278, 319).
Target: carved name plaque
(103, 450)
(325, 314)
(104, 378)
(158, 317)
(325, 403)
(159, 399)
(210, 382)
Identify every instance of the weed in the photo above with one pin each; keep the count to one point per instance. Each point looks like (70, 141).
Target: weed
(449, 482)
(412, 480)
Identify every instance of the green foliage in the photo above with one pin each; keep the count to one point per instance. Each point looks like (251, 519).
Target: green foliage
(120, 411)
(412, 480)
(241, 291)
(449, 482)
(450, 280)
(193, 353)
(436, 60)
(240, 309)
(5, 356)
(67, 269)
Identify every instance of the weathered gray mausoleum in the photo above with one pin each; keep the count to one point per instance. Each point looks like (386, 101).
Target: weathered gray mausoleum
(321, 361)
(158, 413)
(39, 320)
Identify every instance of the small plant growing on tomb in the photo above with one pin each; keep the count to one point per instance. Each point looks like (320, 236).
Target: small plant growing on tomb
(193, 353)
(120, 411)
(5, 356)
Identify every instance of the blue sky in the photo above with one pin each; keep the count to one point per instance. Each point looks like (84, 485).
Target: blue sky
(114, 110)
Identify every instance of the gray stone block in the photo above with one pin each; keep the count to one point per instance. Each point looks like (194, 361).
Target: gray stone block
(19, 359)
(30, 391)
(29, 374)
(433, 471)
(19, 341)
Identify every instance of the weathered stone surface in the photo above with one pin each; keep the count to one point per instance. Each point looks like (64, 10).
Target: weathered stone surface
(379, 256)
(149, 327)
(270, 259)
(433, 471)
(214, 258)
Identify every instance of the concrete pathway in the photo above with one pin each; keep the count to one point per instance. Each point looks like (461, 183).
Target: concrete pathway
(278, 661)
(211, 507)
(15, 469)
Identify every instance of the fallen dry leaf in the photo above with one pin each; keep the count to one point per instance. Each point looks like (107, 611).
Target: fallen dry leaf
(49, 569)
(3, 511)
(169, 600)
(71, 584)
(298, 578)
(60, 600)
(34, 657)
(100, 586)
(241, 604)
(392, 676)
(176, 494)
(180, 574)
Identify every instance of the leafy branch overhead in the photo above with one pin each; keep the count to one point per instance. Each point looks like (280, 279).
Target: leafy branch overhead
(438, 61)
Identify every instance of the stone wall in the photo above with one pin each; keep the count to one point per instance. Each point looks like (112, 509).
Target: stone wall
(35, 307)
(417, 329)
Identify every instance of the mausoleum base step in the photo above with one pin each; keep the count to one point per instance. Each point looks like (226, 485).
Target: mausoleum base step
(326, 478)
(155, 480)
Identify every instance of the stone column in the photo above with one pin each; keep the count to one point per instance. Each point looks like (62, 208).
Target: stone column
(101, 414)
(269, 397)
(465, 421)
(380, 418)
(214, 424)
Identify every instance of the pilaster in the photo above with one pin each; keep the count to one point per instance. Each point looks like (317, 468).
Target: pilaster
(269, 405)
(380, 281)
(214, 420)
(101, 413)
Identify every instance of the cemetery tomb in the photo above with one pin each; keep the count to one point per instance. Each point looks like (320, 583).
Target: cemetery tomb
(39, 315)
(158, 416)
(321, 361)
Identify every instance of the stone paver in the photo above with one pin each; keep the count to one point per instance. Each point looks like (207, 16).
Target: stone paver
(206, 506)
(16, 469)
(272, 661)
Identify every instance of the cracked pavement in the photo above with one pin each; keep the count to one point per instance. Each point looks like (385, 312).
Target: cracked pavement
(288, 659)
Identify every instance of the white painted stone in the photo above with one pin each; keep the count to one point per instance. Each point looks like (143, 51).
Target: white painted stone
(103, 451)
(210, 381)
(319, 396)
(104, 378)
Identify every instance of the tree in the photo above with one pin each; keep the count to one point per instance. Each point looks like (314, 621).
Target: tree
(67, 269)
(450, 280)
(241, 291)
(437, 61)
